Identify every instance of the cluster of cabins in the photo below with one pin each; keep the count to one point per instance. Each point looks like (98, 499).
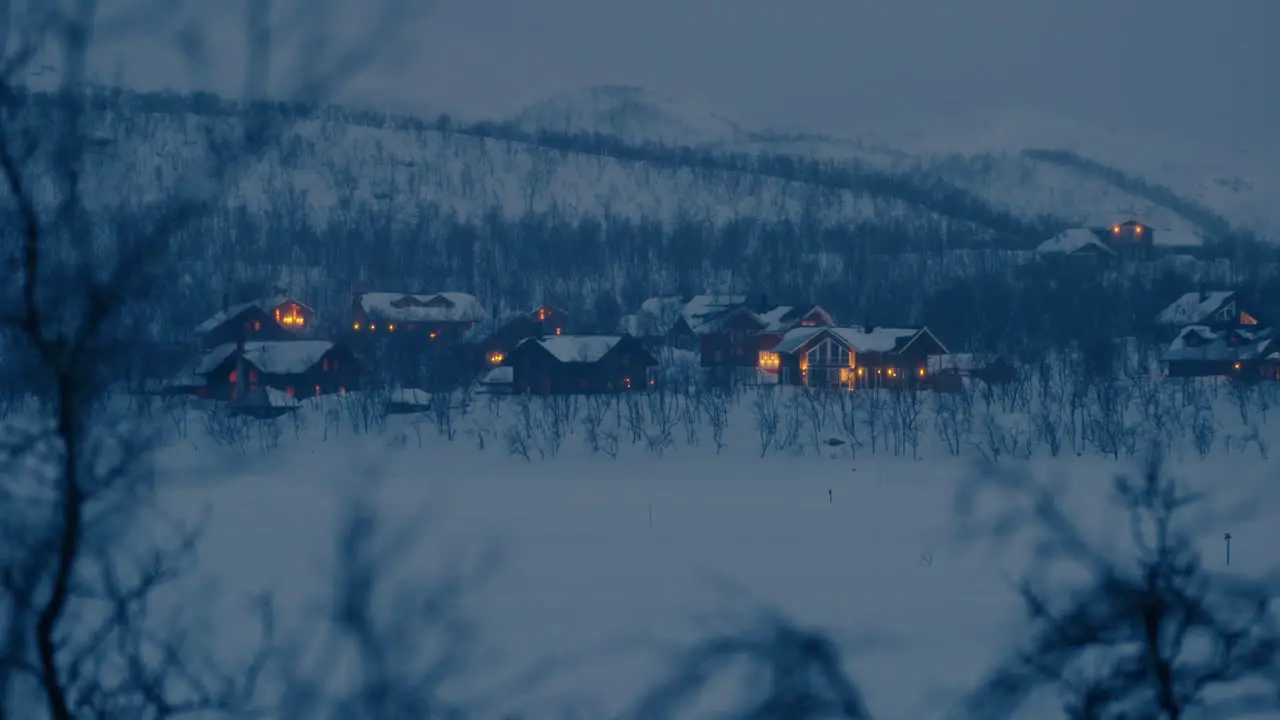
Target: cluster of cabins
(265, 355)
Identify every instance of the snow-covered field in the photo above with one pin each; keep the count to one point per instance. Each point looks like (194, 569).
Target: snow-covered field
(604, 560)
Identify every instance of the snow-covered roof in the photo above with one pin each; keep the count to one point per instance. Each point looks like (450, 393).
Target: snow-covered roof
(288, 357)
(265, 304)
(501, 375)
(858, 339)
(1197, 342)
(1163, 234)
(410, 396)
(795, 338)
(1073, 240)
(655, 316)
(1193, 308)
(701, 312)
(435, 307)
(577, 348)
(486, 328)
(881, 339)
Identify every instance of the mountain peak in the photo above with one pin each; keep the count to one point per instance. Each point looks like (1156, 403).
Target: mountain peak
(631, 113)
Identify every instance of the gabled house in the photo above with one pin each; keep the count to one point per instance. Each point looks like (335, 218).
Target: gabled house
(576, 364)
(551, 321)
(274, 318)
(655, 321)
(1243, 352)
(782, 319)
(1122, 238)
(1079, 246)
(441, 316)
(299, 368)
(701, 316)
(1218, 309)
(852, 357)
(487, 344)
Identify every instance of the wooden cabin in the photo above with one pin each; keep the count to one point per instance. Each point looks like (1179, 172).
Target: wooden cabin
(1214, 309)
(1243, 353)
(299, 368)
(443, 317)
(486, 345)
(852, 357)
(268, 319)
(551, 321)
(578, 364)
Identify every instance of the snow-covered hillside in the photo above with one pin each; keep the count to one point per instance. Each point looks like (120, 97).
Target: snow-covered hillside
(981, 152)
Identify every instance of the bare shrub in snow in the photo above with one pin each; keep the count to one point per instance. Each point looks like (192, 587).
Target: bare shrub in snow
(715, 405)
(1154, 634)
(905, 406)
(664, 413)
(764, 409)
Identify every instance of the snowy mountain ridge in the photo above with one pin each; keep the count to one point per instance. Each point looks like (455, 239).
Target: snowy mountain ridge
(1026, 162)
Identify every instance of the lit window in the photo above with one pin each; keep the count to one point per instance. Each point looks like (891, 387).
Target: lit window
(892, 372)
(1236, 366)
(1138, 230)
(233, 376)
(432, 335)
(355, 326)
(391, 327)
(770, 361)
(257, 325)
(317, 390)
(1116, 229)
(496, 357)
(289, 391)
(558, 330)
(921, 372)
(1247, 319)
(542, 314)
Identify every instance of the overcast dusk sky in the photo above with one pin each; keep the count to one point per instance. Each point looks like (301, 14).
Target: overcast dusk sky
(1208, 71)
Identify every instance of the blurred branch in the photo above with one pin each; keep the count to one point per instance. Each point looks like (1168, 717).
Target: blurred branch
(801, 671)
(1153, 632)
(70, 294)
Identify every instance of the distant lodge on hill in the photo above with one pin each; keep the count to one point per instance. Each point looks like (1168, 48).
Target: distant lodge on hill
(1106, 243)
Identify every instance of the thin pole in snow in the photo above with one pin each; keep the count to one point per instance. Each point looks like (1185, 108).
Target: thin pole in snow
(650, 516)
(1227, 537)
(830, 496)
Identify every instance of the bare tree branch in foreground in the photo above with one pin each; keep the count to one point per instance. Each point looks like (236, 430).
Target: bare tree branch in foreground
(389, 648)
(79, 632)
(800, 673)
(1154, 635)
